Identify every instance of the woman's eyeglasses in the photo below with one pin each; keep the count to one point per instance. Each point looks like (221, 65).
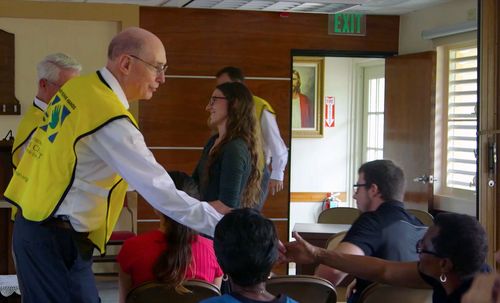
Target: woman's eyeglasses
(420, 249)
(212, 100)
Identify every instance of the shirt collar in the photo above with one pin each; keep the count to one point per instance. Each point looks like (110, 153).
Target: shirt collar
(115, 86)
(391, 203)
(40, 104)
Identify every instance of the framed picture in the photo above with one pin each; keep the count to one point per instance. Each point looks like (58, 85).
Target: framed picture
(307, 97)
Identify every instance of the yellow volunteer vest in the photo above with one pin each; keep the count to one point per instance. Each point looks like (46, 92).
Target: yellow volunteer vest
(46, 171)
(29, 122)
(31, 119)
(261, 105)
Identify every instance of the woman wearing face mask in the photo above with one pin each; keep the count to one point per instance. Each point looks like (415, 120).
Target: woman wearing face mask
(450, 254)
(227, 172)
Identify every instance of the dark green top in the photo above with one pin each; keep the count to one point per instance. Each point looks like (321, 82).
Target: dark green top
(228, 174)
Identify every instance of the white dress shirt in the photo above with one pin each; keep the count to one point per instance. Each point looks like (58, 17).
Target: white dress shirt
(39, 103)
(119, 147)
(275, 149)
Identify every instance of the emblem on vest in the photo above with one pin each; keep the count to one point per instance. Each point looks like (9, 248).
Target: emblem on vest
(54, 118)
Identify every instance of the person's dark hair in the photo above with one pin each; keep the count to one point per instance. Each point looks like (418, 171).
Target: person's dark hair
(246, 246)
(171, 266)
(234, 73)
(388, 177)
(242, 124)
(462, 239)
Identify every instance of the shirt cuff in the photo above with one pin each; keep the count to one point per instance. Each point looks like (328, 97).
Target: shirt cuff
(277, 175)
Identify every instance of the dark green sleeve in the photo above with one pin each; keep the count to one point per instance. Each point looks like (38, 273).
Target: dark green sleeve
(200, 166)
(235, 169)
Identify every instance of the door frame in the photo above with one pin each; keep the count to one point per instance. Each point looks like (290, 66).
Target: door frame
(354, 141)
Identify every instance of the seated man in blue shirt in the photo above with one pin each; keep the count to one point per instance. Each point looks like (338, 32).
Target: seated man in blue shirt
(384, 230)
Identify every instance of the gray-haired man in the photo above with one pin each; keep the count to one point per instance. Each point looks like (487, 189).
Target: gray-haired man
(52, 72)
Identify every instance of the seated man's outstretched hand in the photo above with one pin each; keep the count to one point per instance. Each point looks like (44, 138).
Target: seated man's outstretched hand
(281, 254)
(300, 251)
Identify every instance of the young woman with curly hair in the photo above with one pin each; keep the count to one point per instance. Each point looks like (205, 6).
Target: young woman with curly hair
(229, 169)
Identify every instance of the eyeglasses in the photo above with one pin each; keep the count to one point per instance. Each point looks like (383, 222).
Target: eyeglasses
(212, 100)
(358, 185)
(420, 249)
(160, 69)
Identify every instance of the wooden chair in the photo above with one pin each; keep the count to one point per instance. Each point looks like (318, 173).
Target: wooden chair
(335, 240)
(331, 244)
(339, 215)
(382, 293)
(303, 288)
(423, 216)
(155, 292)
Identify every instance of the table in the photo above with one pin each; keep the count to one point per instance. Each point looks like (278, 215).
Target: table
(317, 234)
(9, 285)
(9, 289)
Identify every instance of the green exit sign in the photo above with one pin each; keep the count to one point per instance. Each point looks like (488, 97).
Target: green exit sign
(347, 24)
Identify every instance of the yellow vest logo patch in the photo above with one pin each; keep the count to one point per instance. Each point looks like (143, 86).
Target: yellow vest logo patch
(54, 118)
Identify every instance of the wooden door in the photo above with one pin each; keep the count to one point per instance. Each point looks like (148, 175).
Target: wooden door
(409, 121)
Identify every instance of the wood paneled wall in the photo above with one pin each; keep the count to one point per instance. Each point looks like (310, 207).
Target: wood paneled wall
(200, 42)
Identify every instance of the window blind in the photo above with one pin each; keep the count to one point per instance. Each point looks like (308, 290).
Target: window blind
(462, 118)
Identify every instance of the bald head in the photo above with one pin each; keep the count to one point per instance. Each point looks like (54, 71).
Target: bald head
(132, 40)
(137, 59)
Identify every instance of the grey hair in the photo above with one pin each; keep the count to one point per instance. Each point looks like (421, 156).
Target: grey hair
(51, 65)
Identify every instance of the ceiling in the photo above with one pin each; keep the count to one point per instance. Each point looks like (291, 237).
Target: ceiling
(372, 7)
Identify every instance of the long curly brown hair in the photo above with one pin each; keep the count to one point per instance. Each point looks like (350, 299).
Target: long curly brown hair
(242, 123)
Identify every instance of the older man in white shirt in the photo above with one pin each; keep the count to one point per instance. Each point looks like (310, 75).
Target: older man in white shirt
(71, 182)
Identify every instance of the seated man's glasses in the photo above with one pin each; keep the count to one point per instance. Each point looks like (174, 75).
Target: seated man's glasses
(160, 69)
(421, 250)
(358, 185)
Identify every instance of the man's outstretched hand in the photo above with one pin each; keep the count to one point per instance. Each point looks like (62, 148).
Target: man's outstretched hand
(300, 251)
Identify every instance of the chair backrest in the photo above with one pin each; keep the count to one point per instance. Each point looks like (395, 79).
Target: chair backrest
(423, 216)
(382, 293)
(339, 215)
(331, 244)
(335, 240)
(303, 288)
(155, 292)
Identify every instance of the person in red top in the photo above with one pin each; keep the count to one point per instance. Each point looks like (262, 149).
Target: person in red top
(171, 254)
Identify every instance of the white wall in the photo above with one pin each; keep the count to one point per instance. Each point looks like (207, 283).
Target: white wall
(320, 164)
(86, 41)
(411, 25)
